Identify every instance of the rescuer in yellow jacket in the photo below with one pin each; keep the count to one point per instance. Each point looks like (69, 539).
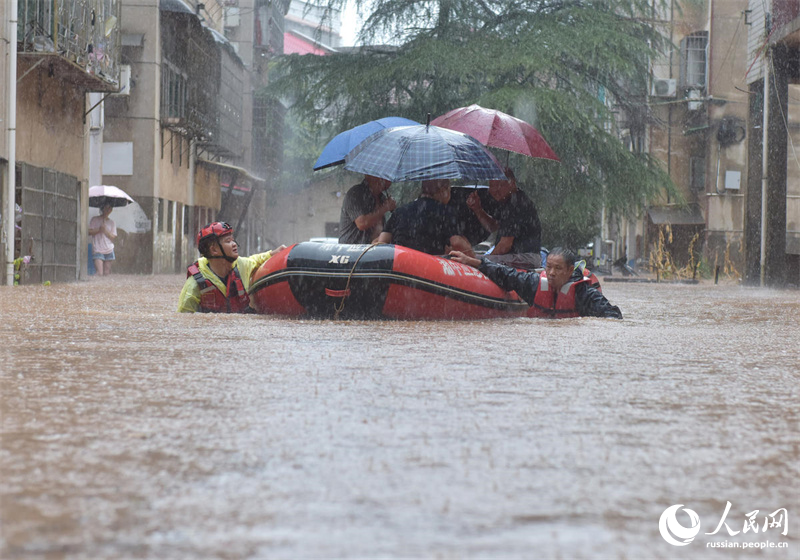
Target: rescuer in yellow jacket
(219, 280)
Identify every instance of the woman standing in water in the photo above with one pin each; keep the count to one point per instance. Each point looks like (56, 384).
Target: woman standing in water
(103, 231)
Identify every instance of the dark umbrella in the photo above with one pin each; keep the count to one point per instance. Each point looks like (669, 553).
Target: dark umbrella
(101, 195)
(497, 130)
(415, 153)
(334, 151)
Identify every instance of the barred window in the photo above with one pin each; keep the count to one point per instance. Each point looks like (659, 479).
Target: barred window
(174, 93)
(694, 60)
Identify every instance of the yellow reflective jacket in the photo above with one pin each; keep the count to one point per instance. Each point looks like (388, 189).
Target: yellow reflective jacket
(189, 301)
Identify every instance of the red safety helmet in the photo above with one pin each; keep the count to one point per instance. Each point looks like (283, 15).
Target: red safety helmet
(214, 230)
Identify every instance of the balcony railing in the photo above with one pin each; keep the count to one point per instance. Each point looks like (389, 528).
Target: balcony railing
(84, 32)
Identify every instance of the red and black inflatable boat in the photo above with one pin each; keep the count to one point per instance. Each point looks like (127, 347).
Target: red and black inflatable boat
(376, 281)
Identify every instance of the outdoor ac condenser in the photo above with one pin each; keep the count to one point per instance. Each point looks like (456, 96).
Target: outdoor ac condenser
(124, 80)
(664, 87)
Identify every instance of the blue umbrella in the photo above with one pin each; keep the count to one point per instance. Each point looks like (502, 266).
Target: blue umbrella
(335, 150)
(415, 153)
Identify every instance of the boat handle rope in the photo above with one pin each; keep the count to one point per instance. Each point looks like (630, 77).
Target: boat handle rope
(339, 307)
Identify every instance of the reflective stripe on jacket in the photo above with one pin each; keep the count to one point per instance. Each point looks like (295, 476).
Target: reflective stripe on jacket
(212, 300)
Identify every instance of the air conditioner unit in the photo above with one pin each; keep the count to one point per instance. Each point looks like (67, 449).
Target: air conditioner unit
(124, 80)
(663, 87)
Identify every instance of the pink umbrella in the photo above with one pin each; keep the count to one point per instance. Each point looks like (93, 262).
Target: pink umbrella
(100, 195)
(497, 130)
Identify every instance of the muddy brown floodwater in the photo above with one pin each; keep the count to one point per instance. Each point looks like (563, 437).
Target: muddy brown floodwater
(132, 431)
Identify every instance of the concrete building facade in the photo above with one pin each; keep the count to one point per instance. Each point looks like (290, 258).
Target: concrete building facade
(152, 98)
(184, 135)
(62, 52)
(707, 93)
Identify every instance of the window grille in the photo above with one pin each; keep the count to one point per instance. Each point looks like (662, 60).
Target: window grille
(83, 32)
(694, 60)
(174, 92)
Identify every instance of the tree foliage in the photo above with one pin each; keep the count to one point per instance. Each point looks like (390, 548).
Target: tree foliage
(575, 69)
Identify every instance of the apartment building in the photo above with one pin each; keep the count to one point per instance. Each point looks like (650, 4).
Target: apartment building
(63, 50)
(151, 97)
(314, 23)
(707, 93)
(183, 141)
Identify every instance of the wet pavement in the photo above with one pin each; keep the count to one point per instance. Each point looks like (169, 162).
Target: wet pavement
(131, 431)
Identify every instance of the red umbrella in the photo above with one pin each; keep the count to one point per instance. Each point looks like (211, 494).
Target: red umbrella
(497, 130)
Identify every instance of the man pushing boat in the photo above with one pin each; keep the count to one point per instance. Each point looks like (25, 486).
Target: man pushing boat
(219, 280)
(560, 291)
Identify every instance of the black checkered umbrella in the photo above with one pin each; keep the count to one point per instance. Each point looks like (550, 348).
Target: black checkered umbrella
(416, 153)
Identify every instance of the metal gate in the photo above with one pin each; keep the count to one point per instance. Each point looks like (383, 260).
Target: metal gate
(50, 203)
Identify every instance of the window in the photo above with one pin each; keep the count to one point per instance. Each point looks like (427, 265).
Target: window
(697, 173)
(637, 140)
(694, 60)
(170, 215)
(174, 93)
(160, 214)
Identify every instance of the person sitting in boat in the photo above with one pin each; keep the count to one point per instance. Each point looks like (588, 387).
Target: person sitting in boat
(474, 220)
(560, 291)
(364, 210)
(516, 222)
(219, 280)
(427, 224)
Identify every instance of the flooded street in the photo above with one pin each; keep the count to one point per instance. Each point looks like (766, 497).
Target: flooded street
(132, 431)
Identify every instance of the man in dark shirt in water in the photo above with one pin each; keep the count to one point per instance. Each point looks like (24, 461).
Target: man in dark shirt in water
(560, 291)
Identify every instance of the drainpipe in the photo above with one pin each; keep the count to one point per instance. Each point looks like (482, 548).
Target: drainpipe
(11, 139)
(764, 161)
(601, 245)
(193, 226)
(192, 168)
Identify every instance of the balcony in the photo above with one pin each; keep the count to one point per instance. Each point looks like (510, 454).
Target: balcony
(78, 39)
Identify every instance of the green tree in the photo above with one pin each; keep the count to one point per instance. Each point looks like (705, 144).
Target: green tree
(573, 69)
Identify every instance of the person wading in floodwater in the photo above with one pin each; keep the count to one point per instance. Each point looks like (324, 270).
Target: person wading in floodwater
(103, 231)
(560, 291)
(219, 280)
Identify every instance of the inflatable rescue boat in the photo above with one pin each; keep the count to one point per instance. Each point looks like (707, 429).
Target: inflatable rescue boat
(327, 280)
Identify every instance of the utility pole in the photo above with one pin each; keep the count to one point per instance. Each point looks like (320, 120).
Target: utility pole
(11, 138)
